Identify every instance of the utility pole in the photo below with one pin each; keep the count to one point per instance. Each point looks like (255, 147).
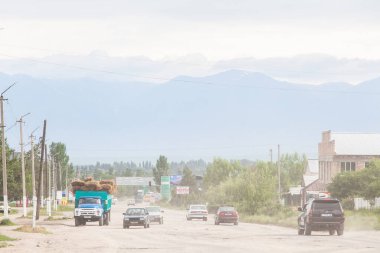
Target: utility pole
(279, 173)
(23, 166)
(66, 189)
(39, 195)
(48, 168)
(33, 182)
(54, 183)
(4, 154)
(271, 155)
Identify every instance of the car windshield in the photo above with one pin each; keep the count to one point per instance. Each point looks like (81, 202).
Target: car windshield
(227, 209)
(199, 207)
(153, 209)
(135, 211)
(326, 206)
(89, 201)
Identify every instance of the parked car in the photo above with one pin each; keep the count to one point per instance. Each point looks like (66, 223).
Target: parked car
(226, 214)
(136, 216)
(2, 209)
(321, 215)
(131, 202)
(197, 212)
(155, 214)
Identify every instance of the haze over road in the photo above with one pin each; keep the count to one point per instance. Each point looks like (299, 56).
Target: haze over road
(179, 235)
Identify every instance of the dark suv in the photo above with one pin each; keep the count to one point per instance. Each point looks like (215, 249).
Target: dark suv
(321, 215)
(136, 216)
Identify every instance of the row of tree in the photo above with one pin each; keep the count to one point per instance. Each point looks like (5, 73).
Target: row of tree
(61, 164)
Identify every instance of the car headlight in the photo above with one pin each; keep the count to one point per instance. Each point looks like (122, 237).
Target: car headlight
(126, 218)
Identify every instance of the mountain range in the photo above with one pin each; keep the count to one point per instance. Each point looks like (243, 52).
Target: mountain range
(234, 114)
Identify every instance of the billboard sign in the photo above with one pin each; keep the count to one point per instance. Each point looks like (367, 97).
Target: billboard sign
(183, 190)
(175, 180)
(135, 181)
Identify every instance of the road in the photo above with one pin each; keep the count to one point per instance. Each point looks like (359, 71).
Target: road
(179, 235)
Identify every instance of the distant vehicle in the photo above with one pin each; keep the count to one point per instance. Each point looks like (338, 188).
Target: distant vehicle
(92, 206)
(139, 196)
(155, 214)
(197, 212)
(131, 202)
(114, 201)
(226, 214)
(136, 216)
(2, 209)
(321, 215)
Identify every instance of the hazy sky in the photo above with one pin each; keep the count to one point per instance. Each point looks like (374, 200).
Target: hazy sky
(217, 29)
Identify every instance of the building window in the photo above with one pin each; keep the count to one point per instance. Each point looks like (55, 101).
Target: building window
(342, 167)
(347, 166)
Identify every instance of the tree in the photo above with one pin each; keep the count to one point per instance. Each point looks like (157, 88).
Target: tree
(188, 179)
(292, 169)
(161, 169)
(220, 170)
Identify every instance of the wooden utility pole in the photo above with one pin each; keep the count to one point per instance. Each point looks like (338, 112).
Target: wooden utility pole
(4, 154)
(49, 189)
(39, 195)
(4, 160)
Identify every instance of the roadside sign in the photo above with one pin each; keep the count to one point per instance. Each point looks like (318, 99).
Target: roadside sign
(165, 187)
(59, 195)
(183, 190)
(135, 181)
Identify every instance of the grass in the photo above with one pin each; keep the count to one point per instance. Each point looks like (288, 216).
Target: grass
(281, 219)
(30, 229)
(59, 212)
(6, 222)
(52, 218)
(6, 238)
(363, 220)
(4, 244)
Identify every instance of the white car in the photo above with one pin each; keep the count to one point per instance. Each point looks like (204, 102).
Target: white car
(197, 212)
(155, 214)
(2, 209)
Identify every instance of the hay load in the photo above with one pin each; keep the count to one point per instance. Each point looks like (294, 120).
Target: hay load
(89, 184)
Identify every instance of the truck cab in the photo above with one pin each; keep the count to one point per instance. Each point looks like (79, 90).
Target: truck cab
(92, 206)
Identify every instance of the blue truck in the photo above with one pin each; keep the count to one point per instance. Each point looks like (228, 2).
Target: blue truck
(92, 206)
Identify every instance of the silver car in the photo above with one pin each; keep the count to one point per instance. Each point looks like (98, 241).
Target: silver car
(197, 212)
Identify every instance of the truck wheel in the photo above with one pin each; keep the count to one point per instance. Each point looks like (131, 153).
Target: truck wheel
(236, 223)
(332, 231)
(83, 222)
(340, 229)
(145, 225)
(125, 226)
(307, 229)
(162, 221)
(106, 219)
(101, 221)
(77, 221)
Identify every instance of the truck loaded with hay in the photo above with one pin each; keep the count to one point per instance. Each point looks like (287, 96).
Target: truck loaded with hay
(93, 200)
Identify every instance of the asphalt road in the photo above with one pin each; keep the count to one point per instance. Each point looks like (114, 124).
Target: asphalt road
(179, 235)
